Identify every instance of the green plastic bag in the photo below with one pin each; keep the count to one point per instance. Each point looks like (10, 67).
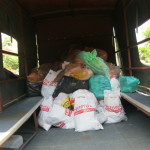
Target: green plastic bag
(97, 85)
(96, 64)
(128, 84)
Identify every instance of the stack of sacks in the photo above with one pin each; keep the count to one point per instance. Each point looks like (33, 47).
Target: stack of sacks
(61, 117)
(36, 77)
(38, 74)
(53, 112)
(76, 110)
(80, 108)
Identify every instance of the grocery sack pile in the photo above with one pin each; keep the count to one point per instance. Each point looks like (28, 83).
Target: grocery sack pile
(84, 94)
(36, 77)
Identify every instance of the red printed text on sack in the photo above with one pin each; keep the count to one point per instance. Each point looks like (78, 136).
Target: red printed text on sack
(60, 125)
(68, 112)
(45, 108)
(83, 109)
(115, 109)
(49, 83)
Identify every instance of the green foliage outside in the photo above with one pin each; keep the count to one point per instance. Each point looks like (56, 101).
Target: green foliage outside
(144, 52)
(6, 43)
(10, 62)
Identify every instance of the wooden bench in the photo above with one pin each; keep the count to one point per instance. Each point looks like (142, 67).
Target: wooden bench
(139, 100)
(13, 117)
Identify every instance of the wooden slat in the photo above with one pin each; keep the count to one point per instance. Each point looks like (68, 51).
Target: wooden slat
(138, 43)
(9, 53)
(136, 103)
(17, 118)
(12, 80)
(1, 101)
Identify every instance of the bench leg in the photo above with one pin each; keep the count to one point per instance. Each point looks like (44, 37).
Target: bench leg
(35, 121)
(1, 102)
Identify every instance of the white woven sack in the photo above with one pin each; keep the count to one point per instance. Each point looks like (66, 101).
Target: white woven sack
(67, 124)
(100, 112)
(60, 98)
(113, 108)
(45, 107)
(49, 86)
(59, 114)
(115, 85)
(84, 111)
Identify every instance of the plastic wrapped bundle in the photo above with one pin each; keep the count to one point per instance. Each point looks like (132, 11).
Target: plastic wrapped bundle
(69, 85)
(34, 89)
(78, 71)
(128, 84)
(96, 64)
(97, 85)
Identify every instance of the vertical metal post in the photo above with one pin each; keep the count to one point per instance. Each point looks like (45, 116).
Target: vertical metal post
(1, 101)
(1, 56)
(35, 121)
(127, 36)
(1, 66)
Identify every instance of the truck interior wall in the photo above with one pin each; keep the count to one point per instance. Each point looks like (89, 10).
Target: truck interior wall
(23, 31)
(12, 91)
(9, 21)
(138, 12)
(11, 16)
(30, 42)
(136, 16)
(119, 29)
(143, 76)
(57, 35)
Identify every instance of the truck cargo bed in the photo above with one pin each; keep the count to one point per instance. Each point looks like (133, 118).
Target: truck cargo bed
(133, 134)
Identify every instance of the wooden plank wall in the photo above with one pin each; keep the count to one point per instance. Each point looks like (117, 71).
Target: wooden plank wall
(56, 35)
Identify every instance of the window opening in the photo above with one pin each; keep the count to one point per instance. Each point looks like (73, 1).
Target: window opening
(37, 51)
(116, 47)
(10, 53)
(11, 63)
(117, 52)
(143, 32)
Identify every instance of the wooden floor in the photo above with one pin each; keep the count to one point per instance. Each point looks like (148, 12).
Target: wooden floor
(134, 134)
